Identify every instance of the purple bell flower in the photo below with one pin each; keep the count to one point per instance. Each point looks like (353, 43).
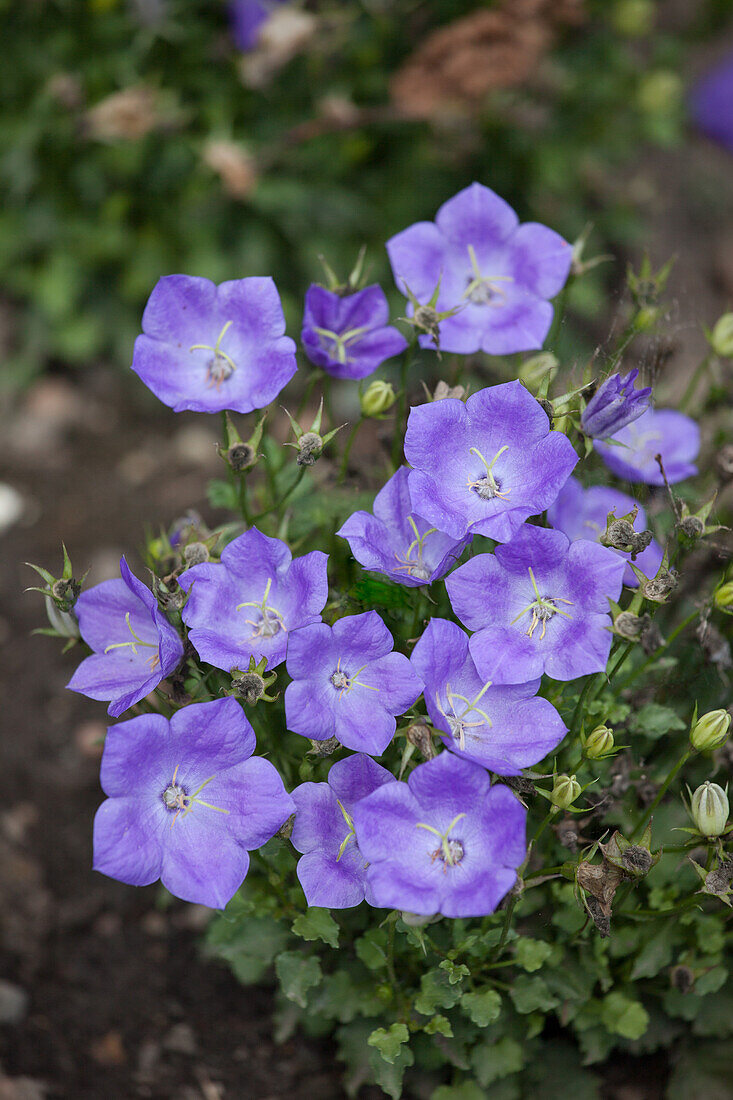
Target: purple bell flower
(711, 103)
(485, 466)
(582, 514)
(444, 842)
(614, 405)
(349, 336)
(347, 683)
(631, 453)
(209, 348)
(539, 605)
(496, 273)
(398, 543)
(186, 802)
(135, 647)
(246, 18)
(247, 605)
(331, 870)
(504, 728)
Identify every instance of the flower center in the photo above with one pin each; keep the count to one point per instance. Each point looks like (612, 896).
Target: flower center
(153, 660)
(484, 290)
(270, 620)
(343, 682)
(340, 680)
(488, 486)
(456, 716)
(340, 340)
(542, 609)
(177, 800)
(415, 567)
(450, 850)
(221, 365)
(175, 797)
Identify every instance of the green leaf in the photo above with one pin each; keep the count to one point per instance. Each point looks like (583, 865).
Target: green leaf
(532, 995)
(297, 973)
(388, 1041)
(371, 948)
(375, 593)
(456, 971)
(710, 982)
(532, 954)
(482, 1007)
(656, 952)
(221, 494)
(436, 992)
(389, 1075)
(623, 1016)
(655, 721)
(558, 1074)
(491, 1062)
(467, 1090)
(702, 1073)
(439, 1025)
(317, 924)
(249, 944)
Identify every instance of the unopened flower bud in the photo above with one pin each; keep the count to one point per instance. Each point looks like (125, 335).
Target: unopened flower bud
(310, 446)
(537, 368)
(599, 743)
(721, 338)
(196, 553)
(723, 598)
(709, 809)
(564, 791)
(711, 731)
(659, 92)
(377, 398)
(628, 625)
(633, 18)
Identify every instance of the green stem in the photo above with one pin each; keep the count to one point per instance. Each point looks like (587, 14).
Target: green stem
(243, 506)
(347, 449)
(644, 819)
(279, 503)
(560, 306)
(655, 655)
(315, 375)
(697, 374)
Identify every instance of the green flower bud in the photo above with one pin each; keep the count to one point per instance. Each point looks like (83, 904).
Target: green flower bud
(721, 338)
(564, 791)
(599, 743)
(534, 370)
(710, 731)
(723, 598)
(659, 92)
(377, 398)
(709, 809)
(633, 18)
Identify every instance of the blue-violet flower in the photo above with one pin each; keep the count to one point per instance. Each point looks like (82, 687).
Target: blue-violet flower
(711, 101)
(186, 802)
(209, 348)
(497, 274)
(347, 683)
(485, 466)
(445, 841)
(246, 605)
(135, 647)
(614, 405)
(349, 336)
(539, 605)
(631, 453)
(247, 17)
(331, 869)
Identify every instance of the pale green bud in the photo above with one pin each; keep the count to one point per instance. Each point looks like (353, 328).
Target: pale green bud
(659, 92)
(710, 731)
(633, 18)
(533, 371)
(721, 338)
(564, 791)
(709, 809)
(599, 743)
(377, 398)
(723, 598)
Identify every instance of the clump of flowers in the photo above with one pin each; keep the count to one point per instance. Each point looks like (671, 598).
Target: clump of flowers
(314, 744)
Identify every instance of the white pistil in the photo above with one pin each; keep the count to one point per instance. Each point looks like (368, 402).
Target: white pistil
(343, 682)
(415, 568)
(451, 851)
(457, 722)
(487, 487)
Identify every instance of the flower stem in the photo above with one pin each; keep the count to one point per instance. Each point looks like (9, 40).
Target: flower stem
(643, 821)
(655, 655)
(347, 450)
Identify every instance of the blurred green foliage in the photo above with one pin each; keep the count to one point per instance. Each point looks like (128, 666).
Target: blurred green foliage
(90, 221)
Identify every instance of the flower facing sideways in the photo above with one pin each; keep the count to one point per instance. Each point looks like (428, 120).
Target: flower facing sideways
(445, 841)
(504, 728)
(245, 605)
(331, 869)
(209, 348)
(485, 466)
(494, 275)
(135, 647)
(538, 605)
(631, 453)
(615, 404)
(348, 683)
(186, 802)
(397, 542)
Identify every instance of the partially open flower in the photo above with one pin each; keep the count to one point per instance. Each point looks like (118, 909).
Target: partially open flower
(709, 809)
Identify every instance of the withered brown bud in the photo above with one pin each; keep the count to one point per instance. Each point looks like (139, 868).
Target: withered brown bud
(519, 784)
(249, 686)
(621, 535)
(419, 735)
(628, 625)
(426, 318)
(637, 860)
(286, 828)
(443, 390)
(651, 636)
(310, 446)
(66, 592)
(724, 462)
(719, 880)
(692, 526)
(547, 407)
(168, 593)
(240, 457)
(682, 978)
(660, 587)
(321, 749)
(196, 553)
(715, 646)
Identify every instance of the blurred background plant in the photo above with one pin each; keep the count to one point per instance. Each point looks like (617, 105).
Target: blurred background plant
(140, 138)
